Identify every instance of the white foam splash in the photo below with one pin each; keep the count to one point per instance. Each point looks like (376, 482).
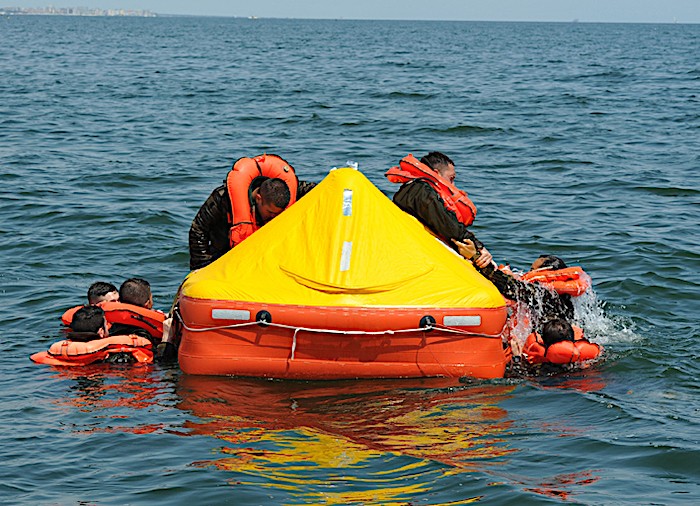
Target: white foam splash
(589, 314)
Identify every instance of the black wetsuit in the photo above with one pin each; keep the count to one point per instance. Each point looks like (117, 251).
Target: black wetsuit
(420, 200)
(543, 303)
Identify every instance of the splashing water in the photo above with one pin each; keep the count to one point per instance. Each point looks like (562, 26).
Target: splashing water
(589, 314)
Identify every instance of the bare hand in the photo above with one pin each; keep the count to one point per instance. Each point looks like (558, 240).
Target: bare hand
(516, 347)
(484, 259)
(466, 248)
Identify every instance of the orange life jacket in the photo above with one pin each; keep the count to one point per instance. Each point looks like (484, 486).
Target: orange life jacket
(456, 200)
(77, 353)
(572, 280)
(563, 352)
(149, 320)
(238, 182)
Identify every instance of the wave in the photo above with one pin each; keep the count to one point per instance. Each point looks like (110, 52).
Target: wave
(667, 191)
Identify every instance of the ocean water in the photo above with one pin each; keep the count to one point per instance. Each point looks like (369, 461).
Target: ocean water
(574, 139)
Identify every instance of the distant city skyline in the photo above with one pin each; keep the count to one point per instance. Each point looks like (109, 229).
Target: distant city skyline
(74, 11)
(612, 11)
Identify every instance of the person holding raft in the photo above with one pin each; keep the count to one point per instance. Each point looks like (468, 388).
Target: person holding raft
(254, 192)
(544, 304)
(551, 313)
(428, 193)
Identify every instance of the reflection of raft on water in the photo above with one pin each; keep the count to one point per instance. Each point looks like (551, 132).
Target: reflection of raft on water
(342, 285)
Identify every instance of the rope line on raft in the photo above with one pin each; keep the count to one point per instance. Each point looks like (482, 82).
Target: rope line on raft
(335, 331)
(296, 330)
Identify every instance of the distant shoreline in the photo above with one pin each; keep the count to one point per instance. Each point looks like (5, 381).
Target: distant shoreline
(95, 12)
(74, 11)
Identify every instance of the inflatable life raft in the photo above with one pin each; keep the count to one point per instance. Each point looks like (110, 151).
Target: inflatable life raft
(76, 353)
(343, 284)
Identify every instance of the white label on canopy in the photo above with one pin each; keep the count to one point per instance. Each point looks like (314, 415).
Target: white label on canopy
(230, 314)
(347, 202)
(462, 321)
(345, 256)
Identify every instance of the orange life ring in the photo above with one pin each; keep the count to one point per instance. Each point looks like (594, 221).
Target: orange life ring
(571, 280)
(150, 320)
(238, 181)
(76, 353)
(563, 352)
(456, 200)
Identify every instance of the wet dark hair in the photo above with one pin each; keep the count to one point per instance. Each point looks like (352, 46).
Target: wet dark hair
(135, 291)
(436, 160)
(88, 319)
(99, 289)
(552, 261)
(275, 191)
(556, 330)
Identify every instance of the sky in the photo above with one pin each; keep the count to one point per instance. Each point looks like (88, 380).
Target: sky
(613, 11)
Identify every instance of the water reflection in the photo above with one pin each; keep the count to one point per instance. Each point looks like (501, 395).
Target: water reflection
(343, 442)
(560, 486)
(392, 439)
(110, 393)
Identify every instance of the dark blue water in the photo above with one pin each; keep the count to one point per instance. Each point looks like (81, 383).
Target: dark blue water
(574, 139)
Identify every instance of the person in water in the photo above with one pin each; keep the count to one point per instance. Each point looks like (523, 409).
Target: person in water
(89, 323)
(554, 263)
(548, 262)
(265, 197)
(550, 314)
(420, 196)
(101, 291)
(136, 291)
(543, 304)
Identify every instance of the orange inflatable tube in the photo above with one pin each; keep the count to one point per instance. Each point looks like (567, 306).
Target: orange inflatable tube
(149, 320)
(455, 200)
(77, 353)
(563, 352)
(571, 280)
(238, 181)
(314, 342)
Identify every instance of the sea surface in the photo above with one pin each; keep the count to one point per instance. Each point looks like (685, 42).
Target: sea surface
(581, 140)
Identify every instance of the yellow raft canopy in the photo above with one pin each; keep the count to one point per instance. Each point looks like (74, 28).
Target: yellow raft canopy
(344, 244)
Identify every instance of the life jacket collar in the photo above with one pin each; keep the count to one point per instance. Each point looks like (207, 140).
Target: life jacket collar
(149, 320)
(238, 182)
(454, 199)
(571, 281)
(80, 353)
(564, 352)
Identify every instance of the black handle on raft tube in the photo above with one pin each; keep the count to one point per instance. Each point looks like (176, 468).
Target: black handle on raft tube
(263, 318)
(427, 323)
